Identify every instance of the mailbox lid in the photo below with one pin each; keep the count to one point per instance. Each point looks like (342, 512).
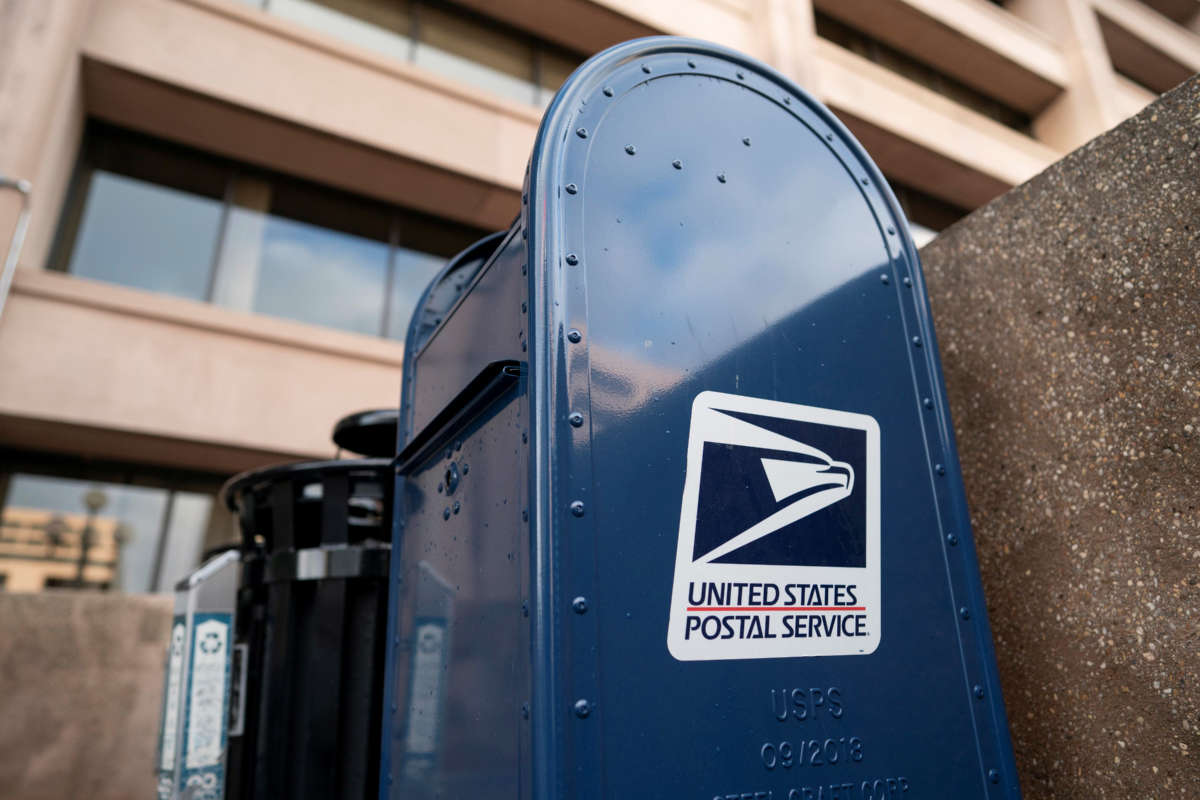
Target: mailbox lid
(723, 279)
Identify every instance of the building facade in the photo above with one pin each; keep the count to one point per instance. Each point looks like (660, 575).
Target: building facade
(234, 204)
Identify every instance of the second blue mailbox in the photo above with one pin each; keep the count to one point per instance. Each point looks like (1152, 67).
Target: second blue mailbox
(679, 509)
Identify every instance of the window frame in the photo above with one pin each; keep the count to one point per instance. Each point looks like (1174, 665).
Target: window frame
(403, 225)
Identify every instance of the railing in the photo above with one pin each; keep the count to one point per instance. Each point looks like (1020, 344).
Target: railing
(18, 237)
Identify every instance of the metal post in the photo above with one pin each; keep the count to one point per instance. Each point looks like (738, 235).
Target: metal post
(18, 238)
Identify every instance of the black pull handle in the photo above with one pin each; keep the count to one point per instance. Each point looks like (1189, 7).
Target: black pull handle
(492, 381)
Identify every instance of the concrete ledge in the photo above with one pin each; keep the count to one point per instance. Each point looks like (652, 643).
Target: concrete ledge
(968, 159)
(81, 676)
(1132, 96)
(731, 22)
(186, 372)
(981, 45)
(1068, 312)
(1146, 45)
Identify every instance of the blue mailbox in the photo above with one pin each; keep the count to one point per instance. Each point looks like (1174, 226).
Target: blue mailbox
(679, 512)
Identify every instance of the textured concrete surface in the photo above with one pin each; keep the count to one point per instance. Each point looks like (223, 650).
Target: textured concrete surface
(80, 685)
(1068, 314)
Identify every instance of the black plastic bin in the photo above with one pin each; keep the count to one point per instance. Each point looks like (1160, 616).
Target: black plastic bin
(312, 620)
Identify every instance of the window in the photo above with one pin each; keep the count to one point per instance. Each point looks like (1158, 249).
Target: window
(441, 38)
(145, 208)
(64, 528)
(383, 26)
(482, 55)
(155, 216)
(903, 64)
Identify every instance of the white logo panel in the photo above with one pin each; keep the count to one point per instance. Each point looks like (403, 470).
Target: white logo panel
(778, 549)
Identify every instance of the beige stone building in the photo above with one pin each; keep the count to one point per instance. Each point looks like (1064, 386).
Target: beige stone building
(232, 204)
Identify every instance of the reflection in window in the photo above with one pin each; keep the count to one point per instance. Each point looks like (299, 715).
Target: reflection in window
(151, 215)
(443, 39)
(300, 270)
(130, 227)
(60, 532)
(325, 278)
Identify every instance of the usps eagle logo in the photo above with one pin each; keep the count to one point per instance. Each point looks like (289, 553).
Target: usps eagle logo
(780, 499)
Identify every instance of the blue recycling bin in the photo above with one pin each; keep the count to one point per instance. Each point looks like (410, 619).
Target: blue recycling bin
(678, 508)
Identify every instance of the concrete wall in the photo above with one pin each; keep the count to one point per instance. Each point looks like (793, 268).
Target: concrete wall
(81, 681)
(1069, 318)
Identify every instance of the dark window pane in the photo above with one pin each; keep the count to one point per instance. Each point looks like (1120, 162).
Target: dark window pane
(320, 205)
(155, 161)
(148, 236)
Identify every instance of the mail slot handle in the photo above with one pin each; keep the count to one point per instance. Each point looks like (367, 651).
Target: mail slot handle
(492, 381)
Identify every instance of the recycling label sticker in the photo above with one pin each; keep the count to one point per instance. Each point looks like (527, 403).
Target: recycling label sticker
(207, 706)
(169, 725)
(778, 550)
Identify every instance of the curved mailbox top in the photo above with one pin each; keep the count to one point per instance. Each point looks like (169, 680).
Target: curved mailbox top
(750, 563)
(447, 286)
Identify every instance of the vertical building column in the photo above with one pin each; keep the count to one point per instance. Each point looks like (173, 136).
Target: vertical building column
(240, 254)
(787, 30)
(1091, 104)
(42, 98)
